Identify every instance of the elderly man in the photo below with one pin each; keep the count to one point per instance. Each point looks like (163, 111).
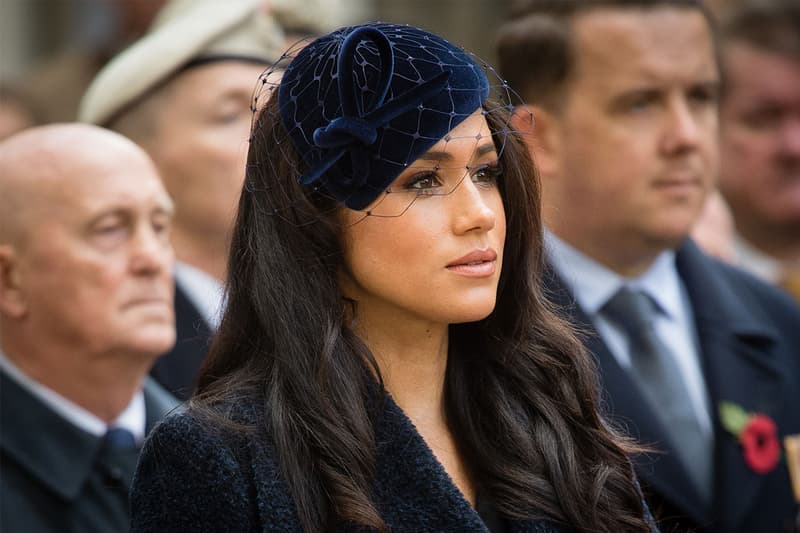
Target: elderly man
(760, 135)
(85, 309)
(183, 92)
(698, 360)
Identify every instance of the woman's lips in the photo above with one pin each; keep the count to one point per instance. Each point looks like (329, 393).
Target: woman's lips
(478, 264)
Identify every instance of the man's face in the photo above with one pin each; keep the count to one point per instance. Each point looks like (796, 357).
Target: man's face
(636, 138)
(96, 266)
(760, 135)
(200, 144)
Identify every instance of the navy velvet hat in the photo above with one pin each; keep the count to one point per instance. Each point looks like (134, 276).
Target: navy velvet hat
(362, 103)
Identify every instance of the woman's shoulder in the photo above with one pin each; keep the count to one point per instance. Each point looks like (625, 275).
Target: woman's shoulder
(207, 430)
(205, 421)
(196, 467)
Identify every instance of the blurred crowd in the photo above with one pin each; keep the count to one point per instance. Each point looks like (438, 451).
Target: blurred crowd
(667, 140)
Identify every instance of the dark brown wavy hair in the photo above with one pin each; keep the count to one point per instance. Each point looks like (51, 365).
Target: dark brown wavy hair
(520, 390)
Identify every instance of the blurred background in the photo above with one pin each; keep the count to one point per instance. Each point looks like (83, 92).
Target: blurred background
(33, 32)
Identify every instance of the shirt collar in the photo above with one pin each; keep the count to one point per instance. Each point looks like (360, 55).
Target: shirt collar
(132, 418)
(594, 284)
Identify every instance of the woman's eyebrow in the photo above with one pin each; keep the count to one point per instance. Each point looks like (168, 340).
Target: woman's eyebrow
(444, 155)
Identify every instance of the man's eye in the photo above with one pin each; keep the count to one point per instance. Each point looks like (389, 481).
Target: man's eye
(107, 229)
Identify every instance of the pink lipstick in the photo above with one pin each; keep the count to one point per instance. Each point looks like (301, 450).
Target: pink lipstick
(477, 264)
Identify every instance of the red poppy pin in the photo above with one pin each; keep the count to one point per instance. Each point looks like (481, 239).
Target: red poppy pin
(757, 433)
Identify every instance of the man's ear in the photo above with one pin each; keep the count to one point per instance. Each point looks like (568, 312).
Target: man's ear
(12, 297)
(540, 129)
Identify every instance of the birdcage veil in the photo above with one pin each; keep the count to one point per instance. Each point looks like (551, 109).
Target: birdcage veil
(358, 106)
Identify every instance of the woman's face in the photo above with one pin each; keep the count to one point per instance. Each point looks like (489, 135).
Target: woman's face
(440, 260)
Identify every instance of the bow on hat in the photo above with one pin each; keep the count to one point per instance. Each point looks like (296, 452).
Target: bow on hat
(399, 90)
(357, 126)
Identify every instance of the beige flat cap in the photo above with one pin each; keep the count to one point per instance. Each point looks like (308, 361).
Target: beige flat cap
(184, 31)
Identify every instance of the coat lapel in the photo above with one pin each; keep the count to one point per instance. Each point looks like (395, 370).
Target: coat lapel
(736, 344)
(56, 453)
(627, 408)
(177, 369)
(413, 490)
(158, 403)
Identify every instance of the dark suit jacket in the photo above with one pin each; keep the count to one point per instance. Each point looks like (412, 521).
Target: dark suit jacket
(55, 476)
(177, 369)
(749, 337)
(192, 477)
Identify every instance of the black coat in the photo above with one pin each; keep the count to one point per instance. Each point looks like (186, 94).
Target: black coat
(749, 336)
(55, 477)
(177, 369)
(195, 478)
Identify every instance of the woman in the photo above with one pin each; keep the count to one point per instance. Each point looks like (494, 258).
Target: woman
(387, 360)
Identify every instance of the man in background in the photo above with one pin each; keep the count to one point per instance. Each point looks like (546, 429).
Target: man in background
(85, 309)
(183, 93)
(624, 99)
(760, 135)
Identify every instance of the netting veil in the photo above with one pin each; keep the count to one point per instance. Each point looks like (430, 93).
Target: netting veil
(358, 106)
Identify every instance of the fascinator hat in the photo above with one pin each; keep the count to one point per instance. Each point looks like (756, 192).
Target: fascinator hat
(362, 103)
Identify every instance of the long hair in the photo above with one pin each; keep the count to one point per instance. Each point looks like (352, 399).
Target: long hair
(520, 391)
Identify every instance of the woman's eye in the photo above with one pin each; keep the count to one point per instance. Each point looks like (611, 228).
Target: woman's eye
(423, 182)
(488, 174)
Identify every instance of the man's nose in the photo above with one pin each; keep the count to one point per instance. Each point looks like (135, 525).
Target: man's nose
(790, 136)
(151, 251)
(684, 126)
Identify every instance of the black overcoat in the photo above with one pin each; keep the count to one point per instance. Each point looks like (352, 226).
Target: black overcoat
(195, 478)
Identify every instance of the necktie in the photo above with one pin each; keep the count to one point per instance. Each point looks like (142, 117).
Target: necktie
(117, 458)
(656, 372)
(118, 438)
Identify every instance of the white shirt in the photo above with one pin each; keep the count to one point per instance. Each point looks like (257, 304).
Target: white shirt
(593, 285)
(204, 291)
(133, 418)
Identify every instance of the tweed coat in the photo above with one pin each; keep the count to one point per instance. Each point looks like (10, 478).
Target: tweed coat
(194, 478)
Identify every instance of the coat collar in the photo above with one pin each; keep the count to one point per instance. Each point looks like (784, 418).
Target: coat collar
(738, 346)
(60, 457)
(412, 491)
(412, 482)
(54, 451)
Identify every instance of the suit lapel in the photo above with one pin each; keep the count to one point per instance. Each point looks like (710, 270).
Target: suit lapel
(177, 369)
(736, 345)
(158, 403)
(56, 453)
(627, 407)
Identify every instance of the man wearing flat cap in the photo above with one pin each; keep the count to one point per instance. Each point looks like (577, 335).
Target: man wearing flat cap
(183, 93)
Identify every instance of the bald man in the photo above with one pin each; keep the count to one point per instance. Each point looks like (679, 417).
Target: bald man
(85, 309)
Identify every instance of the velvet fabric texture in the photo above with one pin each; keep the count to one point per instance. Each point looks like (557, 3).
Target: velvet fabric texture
(194, 476)
(363, 102)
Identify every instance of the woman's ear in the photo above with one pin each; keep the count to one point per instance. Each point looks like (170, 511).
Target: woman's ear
(539, 129)
(12, 300)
